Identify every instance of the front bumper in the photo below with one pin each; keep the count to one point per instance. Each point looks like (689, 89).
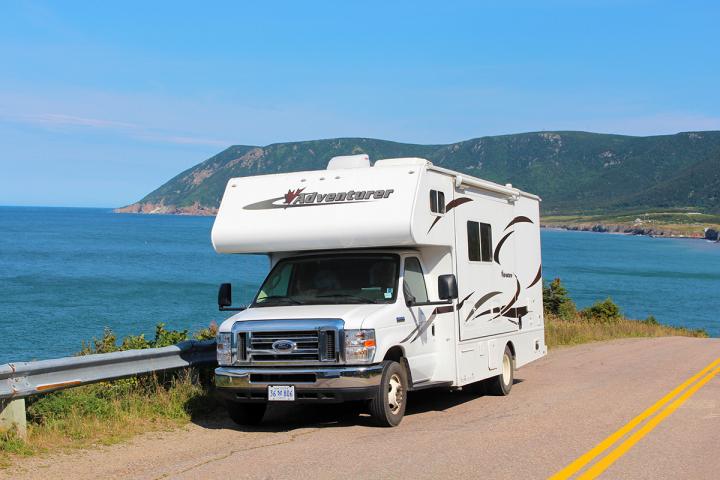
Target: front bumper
(312, 385)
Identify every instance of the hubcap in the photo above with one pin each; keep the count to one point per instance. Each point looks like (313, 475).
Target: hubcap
(395, 393)
(507, 369)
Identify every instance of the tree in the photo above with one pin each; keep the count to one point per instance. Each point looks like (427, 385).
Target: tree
(557, 301)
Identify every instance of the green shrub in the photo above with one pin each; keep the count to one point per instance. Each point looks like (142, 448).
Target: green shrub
(163, 338)
(208, 333)
(606, 311)
(651, 320)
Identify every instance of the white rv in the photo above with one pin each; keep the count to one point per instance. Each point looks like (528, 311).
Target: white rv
(384, 279)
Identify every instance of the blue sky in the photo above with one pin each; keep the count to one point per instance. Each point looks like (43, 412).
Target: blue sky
(101, 102)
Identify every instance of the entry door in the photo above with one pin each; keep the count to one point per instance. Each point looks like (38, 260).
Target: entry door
(420, 347)
(486, 267)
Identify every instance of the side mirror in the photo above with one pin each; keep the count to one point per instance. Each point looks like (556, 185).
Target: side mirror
(447, 287)
(224, 295)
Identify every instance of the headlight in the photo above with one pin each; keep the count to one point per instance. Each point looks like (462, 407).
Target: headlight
(359, 346)
(224, 348)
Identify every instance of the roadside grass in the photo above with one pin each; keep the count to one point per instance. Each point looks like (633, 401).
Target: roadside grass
(578, 330)
(566, 325)
(111, 412)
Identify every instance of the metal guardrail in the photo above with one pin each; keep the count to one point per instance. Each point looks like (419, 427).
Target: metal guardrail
(19, 380)
(23, 379)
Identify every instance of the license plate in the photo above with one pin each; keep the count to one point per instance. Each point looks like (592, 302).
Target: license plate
(281, 393)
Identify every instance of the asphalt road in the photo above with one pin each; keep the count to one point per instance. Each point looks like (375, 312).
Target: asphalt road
(560, 408)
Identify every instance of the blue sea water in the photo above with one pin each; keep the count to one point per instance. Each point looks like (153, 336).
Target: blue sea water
(68, 273)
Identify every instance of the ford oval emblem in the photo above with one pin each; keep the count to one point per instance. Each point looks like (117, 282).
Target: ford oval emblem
(284, 346)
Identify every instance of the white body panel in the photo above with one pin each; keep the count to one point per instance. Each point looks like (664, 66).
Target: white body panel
(500, 297)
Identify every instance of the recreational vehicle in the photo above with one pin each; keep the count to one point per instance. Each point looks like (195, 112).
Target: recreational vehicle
(383, 279)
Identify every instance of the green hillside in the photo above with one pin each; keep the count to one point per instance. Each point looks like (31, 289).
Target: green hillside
(574, 172)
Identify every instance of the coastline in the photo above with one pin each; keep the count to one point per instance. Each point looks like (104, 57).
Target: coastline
(196, 209)
(623, 230)
(684, 224)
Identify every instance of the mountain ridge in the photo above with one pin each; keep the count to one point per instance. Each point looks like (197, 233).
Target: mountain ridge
(573, 171)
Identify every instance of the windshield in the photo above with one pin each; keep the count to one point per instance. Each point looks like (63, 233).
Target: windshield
(363, 278)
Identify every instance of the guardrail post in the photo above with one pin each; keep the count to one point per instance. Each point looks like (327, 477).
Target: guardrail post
(12, 416)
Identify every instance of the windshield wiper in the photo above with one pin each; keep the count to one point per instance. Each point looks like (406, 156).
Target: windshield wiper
(280, 298)
(346, 296)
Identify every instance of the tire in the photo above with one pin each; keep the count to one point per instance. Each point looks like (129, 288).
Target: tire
(502, 384)
(387, 408)
(246, 413)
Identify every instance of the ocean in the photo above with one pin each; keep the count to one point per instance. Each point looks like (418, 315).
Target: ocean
(66, 274)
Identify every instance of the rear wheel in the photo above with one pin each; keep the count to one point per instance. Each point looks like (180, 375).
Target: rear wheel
(246, 413)
(387, 408)
(502, 384)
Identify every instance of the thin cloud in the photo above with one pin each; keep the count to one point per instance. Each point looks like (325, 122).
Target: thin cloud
(182, 140)
(131, 130)
(62, 119)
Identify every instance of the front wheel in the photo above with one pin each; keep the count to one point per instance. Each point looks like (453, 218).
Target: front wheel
(387, 408)
(502, 384)
(246, 413)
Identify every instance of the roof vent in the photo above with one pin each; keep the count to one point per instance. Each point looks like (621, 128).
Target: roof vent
(349, 161)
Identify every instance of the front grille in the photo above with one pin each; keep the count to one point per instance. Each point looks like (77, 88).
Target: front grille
(307, 340)
(309, 346)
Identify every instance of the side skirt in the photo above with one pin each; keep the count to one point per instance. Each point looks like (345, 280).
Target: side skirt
(428, 384)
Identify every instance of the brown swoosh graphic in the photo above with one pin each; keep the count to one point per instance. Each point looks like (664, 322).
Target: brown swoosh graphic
(462, 302)
(512, 302)
(537, 277)
(482, 300)
(450, 205)
(430, 320)
(499, 246)
(519, 219)
(420, 329)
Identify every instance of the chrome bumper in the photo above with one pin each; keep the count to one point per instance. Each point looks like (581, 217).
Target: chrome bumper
(321, 378)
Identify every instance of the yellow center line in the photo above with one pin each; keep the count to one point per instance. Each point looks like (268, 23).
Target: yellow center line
(623, 448)
(589, 456)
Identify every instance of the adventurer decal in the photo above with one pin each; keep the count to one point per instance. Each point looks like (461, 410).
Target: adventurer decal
(300, 198)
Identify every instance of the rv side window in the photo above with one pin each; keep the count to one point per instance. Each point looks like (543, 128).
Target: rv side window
(473, 234)
(486, 242)
(479, 242)
(414, 281)
(437, 201)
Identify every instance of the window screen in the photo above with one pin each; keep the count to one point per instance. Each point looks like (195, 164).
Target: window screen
(479, 242)
(441, 202)
(414, 282)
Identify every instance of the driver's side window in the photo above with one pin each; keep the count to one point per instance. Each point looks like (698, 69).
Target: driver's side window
(414, 281)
